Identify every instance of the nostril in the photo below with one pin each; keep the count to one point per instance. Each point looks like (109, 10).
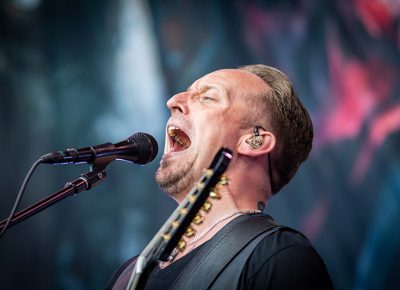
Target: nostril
(175, 109)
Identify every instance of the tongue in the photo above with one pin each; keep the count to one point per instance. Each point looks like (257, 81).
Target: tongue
(177, 147)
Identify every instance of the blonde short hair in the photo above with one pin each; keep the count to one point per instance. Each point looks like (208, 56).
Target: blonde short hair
(281, 112)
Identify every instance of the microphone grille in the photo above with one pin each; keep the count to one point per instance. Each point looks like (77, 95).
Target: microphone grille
(146, 145)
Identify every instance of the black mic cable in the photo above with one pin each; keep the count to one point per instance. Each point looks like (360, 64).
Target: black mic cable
(20, 194)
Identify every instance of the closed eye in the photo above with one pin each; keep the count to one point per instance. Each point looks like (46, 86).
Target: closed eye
(207, 98)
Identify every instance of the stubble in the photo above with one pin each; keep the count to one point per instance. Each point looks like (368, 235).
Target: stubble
(175, 180)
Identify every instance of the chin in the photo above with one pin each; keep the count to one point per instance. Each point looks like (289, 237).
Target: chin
(175, 179)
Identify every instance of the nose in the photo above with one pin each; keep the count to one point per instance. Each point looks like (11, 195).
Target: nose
(178, 103)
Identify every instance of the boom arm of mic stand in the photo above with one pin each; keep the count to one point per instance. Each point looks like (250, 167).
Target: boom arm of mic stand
(85, 182)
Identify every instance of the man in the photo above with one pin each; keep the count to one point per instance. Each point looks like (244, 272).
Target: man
(255, 112)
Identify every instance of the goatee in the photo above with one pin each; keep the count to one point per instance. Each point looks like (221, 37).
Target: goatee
(175, 179)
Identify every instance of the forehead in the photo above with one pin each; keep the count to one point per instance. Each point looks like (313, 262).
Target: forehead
(232, 80)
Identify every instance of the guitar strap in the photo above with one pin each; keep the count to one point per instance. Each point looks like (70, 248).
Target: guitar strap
(218, 264)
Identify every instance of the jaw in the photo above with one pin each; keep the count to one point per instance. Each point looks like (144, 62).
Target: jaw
(176, 179)
(175, 174)
(184, 159)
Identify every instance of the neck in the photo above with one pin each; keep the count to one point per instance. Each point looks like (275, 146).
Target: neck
(249, 185)
(222, 211)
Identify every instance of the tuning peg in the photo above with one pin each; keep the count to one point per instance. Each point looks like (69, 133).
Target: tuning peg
(181, 245)
(215, 194)
(224, 180)
(166, 236)
(206, 206)
(183, 211)
(198, 219)
(190, 232)
(175, 224)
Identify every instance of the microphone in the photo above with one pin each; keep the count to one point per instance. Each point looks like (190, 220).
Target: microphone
(140, 148)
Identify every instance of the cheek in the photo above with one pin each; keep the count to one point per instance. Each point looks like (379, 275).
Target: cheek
(217, 128)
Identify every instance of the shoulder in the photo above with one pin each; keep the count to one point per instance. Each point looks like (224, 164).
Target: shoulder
(285, 259)
(281, 240)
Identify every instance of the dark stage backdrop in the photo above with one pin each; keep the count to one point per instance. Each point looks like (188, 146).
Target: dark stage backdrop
(75, 73)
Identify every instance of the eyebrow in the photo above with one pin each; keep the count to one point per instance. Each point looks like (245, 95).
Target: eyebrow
(205, 87)
(191, 87)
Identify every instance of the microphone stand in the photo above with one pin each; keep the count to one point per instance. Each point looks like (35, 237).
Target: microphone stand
(85, 182)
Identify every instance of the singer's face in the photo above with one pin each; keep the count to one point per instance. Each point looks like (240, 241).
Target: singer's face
(211, 114)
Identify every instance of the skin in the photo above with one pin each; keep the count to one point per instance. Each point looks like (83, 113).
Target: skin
(213, 113)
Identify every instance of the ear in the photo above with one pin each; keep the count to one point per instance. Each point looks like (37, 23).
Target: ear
(268, 143)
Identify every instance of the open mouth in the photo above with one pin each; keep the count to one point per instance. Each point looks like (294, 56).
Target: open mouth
(179, 141)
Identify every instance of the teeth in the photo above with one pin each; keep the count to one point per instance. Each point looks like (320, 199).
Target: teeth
(179, 141)
(173, 133)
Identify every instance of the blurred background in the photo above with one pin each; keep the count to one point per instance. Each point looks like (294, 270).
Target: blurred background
(75, 73)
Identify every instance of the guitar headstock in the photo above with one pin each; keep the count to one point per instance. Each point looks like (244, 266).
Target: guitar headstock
(167, 238)
(198, 219)
(197, 199)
